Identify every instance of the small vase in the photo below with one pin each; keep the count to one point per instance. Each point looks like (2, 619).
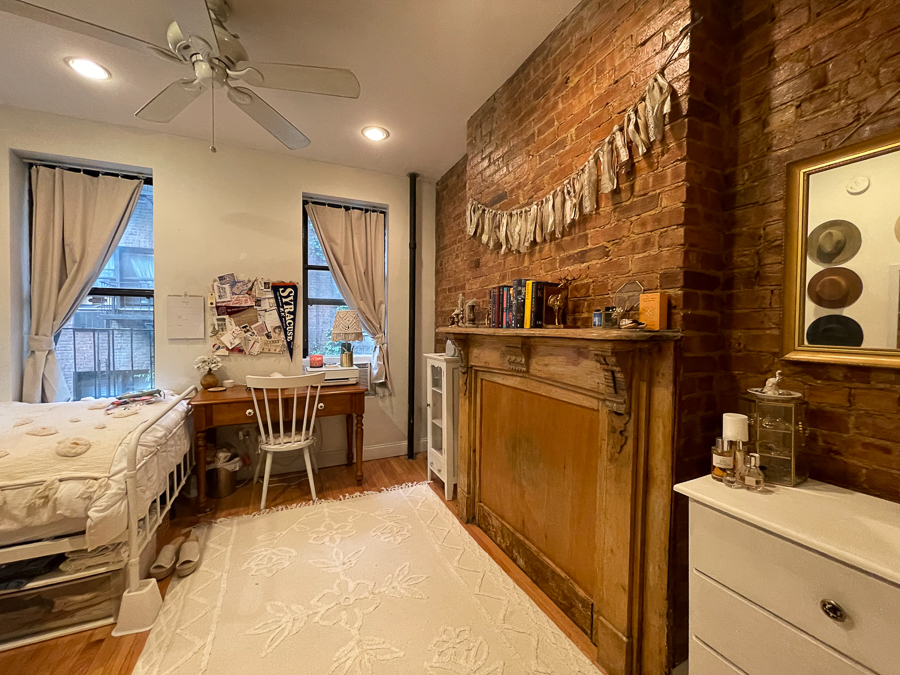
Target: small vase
(209, 380)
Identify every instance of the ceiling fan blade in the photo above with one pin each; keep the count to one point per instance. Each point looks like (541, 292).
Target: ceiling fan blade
(310, 79)
(46, 16)
(194, 21)
(166, 105)
(268, 118)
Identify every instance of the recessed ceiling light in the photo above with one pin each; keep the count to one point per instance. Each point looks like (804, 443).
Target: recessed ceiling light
(375, 133)
(89, 69)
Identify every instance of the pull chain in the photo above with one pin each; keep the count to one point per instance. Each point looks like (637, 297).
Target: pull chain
(212, 92)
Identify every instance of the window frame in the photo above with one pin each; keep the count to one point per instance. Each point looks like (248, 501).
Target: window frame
(307, 268)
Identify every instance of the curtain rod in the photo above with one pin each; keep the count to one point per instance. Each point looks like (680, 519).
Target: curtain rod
(90, 170)
(346, 207)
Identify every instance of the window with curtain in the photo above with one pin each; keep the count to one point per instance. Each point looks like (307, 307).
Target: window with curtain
(321, 298)
(107, 347)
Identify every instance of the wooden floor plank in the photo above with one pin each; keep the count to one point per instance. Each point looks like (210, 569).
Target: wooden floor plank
(96, 652)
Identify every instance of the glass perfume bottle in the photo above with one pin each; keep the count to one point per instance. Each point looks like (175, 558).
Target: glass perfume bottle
(722, 460)
(751, 476)
(732, 478)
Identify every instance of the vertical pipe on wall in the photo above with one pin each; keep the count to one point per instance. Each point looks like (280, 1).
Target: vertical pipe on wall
(413, 357)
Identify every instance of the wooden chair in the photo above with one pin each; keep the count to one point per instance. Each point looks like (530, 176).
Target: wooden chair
(275, 439)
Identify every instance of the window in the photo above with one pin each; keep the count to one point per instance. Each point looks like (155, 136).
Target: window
(322, 299)
(107, 348)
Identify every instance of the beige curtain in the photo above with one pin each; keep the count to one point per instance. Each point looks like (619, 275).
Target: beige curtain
(353, 243)
(77, 222)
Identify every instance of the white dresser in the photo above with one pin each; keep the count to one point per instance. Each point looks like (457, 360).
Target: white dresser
(794, 581)
(442, 405)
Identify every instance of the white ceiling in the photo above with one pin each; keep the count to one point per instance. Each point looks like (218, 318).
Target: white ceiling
(424, 67)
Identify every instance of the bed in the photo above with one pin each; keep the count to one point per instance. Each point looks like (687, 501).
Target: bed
(73, 478)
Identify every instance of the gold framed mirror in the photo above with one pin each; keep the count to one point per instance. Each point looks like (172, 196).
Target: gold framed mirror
(842, 256)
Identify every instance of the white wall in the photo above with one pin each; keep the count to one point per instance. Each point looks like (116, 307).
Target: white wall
(239, 211)
(875, 213)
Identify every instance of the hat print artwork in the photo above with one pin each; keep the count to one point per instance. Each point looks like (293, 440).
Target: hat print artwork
(834, 330)
(834, 242)
(835, 287)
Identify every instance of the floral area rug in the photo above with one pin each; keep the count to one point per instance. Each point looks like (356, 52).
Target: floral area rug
(387, 583)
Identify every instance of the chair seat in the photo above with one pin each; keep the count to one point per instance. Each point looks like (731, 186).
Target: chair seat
(283, 443)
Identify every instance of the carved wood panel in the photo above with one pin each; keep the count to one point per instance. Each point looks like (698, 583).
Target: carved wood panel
(511, 459)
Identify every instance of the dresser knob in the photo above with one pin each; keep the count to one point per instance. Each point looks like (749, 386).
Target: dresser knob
(249, 413)
(833, 611)
(321, 406)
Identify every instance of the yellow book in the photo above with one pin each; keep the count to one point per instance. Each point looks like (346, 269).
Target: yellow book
(528, 285)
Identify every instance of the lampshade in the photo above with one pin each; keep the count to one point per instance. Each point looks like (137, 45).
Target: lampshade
(347, 327)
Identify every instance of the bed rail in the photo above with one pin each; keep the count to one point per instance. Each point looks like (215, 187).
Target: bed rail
(137, 536)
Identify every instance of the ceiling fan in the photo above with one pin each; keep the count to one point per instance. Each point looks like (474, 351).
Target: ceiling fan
(199, 38)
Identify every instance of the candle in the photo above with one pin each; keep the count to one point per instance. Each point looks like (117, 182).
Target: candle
(735, 427)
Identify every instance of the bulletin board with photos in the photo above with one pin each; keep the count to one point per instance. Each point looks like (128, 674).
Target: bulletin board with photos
(252, 316)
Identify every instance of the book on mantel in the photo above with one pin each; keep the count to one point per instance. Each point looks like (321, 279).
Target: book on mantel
(521, 304)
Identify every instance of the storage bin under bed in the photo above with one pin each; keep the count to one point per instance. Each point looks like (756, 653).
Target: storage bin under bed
(50, 609)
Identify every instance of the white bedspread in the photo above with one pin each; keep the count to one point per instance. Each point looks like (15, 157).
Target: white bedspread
(42, 491)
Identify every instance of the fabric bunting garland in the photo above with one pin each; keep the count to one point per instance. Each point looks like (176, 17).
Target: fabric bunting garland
(551, 217)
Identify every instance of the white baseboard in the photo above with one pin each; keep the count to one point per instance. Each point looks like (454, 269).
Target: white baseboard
(379, 451)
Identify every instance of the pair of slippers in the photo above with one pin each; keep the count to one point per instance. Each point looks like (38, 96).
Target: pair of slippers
(181, 556)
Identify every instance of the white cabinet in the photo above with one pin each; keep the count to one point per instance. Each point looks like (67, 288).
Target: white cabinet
(795, 581)
(443, 406)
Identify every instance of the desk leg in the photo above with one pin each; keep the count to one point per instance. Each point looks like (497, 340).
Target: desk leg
(200, 463)
(359, 449)
(349, 440)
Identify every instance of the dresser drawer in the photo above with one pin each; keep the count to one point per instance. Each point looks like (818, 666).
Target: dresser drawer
(754, 640)
(706, 661)
(791, 582)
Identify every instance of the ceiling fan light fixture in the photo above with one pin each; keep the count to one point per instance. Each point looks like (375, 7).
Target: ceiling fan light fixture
(375, 133)
(89, 69)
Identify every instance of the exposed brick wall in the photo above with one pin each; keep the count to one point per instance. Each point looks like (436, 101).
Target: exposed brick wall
(767, 82)
(805, 73)
(544, 122)
(449, 222)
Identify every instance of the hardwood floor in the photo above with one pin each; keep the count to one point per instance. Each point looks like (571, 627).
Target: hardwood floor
(96, 652)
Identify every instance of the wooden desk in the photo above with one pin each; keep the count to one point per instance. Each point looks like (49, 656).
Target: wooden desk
(235, 406)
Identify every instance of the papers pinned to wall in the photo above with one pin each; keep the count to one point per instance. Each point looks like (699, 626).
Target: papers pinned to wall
(245, 318)
(185, 317)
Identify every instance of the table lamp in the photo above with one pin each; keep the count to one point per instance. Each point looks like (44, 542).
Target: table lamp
(347, 328)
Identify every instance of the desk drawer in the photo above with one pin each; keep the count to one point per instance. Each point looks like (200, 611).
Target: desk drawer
(791, 581)
(240, 413)
(330, 405)
(754, 640)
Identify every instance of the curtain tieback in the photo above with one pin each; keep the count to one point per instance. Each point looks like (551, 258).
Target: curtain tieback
(40, 343)
(379, 340)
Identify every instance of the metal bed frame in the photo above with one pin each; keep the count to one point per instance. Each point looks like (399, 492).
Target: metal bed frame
(141, 600)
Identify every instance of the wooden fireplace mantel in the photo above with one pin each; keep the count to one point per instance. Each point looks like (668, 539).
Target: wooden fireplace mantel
(566, 442)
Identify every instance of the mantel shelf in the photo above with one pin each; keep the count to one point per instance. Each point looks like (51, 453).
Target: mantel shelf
(605, 335)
